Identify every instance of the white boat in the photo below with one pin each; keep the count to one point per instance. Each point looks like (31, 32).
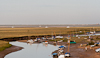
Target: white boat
(30, 41)
(61, 56)
(67, 54)
(46, 42)
(60, 41)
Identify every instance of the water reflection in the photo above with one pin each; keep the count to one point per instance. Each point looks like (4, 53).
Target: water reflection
(40, 50)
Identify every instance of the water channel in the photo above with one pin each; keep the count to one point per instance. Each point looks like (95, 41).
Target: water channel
(39, 50)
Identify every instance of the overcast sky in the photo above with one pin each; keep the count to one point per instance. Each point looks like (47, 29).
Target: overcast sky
(49, 11)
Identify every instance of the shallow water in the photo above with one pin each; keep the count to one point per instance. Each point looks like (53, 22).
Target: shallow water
(32, 50)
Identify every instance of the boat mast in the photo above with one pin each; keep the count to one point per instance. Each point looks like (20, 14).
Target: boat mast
(69, 44)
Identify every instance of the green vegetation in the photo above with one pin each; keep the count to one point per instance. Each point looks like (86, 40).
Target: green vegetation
(4, 45)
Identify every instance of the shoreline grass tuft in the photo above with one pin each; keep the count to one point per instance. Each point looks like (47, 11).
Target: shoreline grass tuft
(4, 45)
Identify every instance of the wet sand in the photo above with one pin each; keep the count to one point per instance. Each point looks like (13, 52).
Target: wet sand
(9, 50)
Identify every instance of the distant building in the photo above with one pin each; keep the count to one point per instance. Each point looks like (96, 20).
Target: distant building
(39, 26)
(67, 27)
(12, 27)
(46, 26)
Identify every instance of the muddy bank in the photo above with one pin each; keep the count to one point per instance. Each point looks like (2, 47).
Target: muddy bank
(77, 52)
(9, 50)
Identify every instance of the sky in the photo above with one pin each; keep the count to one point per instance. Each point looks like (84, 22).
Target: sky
(30, 12)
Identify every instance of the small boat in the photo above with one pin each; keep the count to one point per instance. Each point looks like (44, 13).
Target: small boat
(60, 41)
(61, 56)
(62, 47)
(67, 54)
(46, 42)
(55, 54)
(30, 41)
(35, 40)
(72, 42)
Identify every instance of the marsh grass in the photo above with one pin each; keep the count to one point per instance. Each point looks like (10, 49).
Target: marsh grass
(19, 32)
(4, 45)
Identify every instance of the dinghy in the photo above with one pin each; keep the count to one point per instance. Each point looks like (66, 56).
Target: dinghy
(67, 54)
(55, 54)
(30, 41)
(46, 42)
(61, 56)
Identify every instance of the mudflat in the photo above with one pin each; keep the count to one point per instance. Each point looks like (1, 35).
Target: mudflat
(9, 50)
(76, 51)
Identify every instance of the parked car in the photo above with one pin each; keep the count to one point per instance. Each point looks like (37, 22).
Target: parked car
(97, 50)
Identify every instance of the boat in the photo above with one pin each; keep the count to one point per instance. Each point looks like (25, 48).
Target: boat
(46, 42)
(67, 54)
(62, 47)
(61, 56)
(72, 42)
(30, 41)
(55, 54)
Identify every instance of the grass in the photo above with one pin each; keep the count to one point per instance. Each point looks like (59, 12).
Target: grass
(19, 32)
(4, 45)
(79, 40)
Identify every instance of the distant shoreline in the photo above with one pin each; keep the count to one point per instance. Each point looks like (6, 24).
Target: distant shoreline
(52, 25)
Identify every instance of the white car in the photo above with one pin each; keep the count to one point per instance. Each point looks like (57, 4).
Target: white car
(97, 50)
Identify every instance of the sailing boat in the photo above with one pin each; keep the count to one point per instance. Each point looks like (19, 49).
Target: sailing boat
(67, 54)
